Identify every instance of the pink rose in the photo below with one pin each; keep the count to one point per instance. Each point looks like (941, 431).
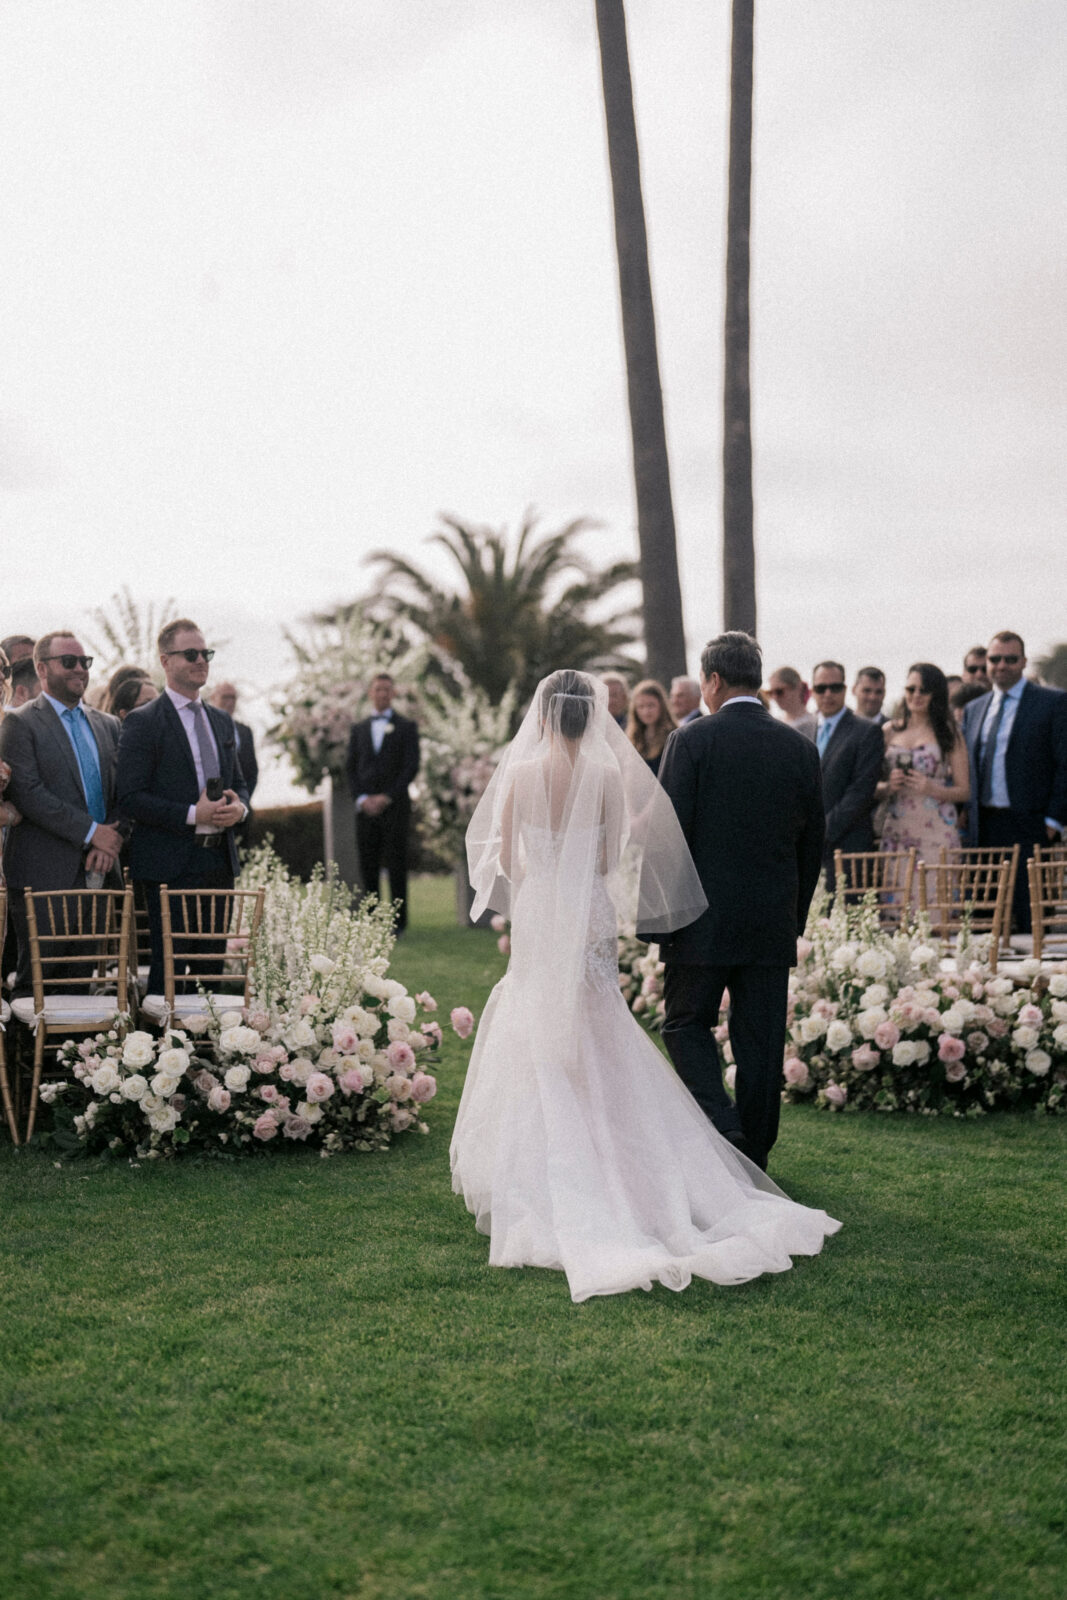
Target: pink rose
(1030, 1017)
(432, 1031)
(951, 992)
(266, 1126)
(836, 1094)
(345, 1038)
(804, 949)
(401, 1055)
(286, 1071)
(886, 1035)
(293, 1127)
(503, 944)
(205, 1081)
(498, 923)
(260, 1020)
(722, 1033)
(352, 1081)
(977, 1041)
(910, 1014)
(955, 1071)
(796, 1073)
(267, 1092)
(426, 1001)
(950, 1049)
(86, 1049)
(401, 1118)
(932, 1017)
(462, 1021)
(866, 1057)
(996, 1027)
(219, 1099)
(264, 1062)
(982, 1015)
(977, 990)
(307, 1006)
(423, 1087)
(824, 1008)
(318, 1087)
(417, 1041)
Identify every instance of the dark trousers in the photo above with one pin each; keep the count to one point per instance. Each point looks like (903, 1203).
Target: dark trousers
(382, 841)
(1008, 828)
(757, 1024)
(210, 870)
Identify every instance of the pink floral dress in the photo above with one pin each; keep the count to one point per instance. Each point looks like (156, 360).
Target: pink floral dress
(921, 822)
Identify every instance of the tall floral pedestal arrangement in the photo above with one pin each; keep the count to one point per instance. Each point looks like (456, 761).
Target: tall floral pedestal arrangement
(339, 831)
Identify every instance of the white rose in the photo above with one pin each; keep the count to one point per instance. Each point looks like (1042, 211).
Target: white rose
(230, 1019)
(869, 1021)
(904, 1053)
(1059, 1009)
(838, 1036)
(1025, 1038)
(300, 1035)
(999, 986)
(402, 1006)
(365, 1050)
(173, 1061)
(164, 1084)
(812, 1028)
(313, 1113)
(322, 964)
(105, 1078)
(138, 1050)
(1057, 985)
(1029, 968)
(375, 986)
(239, 1040)
(876, 995)
(90, 1112)
(872, 964)
(236, 1078)
(1004, 1005)
(923, 956)
(1059, 1036)
(843, 957)
(954, 1020)
(397, 1028)
(922, 1051)
(135, 1087)
(926, 998)
(164, 1120)
(151, 1102)
(302, 1070)
(392, 988)
(1038, 1062)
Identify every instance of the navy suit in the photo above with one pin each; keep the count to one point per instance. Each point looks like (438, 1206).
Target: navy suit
(1035, 767)
(157, 783)
(851, 767)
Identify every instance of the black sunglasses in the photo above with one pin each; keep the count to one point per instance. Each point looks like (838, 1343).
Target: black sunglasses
(1009, 661)
(828, 688)
(68, 663)
(191, 655)
(978, 667)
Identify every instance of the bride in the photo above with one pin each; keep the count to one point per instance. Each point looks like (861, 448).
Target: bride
(576, 1146)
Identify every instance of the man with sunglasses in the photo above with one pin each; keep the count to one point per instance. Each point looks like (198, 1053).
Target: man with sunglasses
(180, 779)
(851, 751)
(975, 667)
(1017, 744)
(62, 754)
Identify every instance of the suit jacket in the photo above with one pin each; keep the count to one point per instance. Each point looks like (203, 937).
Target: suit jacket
(1035, 762)
(851, 767)
(157, 784)
(392, 768)
(246, 750)
(748, 795)
(47, 848)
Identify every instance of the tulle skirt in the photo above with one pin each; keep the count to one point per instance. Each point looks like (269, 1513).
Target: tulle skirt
(587, 1154)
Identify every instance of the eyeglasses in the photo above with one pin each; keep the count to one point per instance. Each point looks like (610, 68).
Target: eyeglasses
(68, 663)
(1008, 661)
(915, 688)
(776, 694)
(978, 666)
(828, 688)
(191, 655)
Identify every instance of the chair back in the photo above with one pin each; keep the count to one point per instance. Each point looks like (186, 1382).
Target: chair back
(1048, 899)
(79, 942)
(217, 930)
(5, 1086)
(890, 874)
(980, 855)
(976, 890)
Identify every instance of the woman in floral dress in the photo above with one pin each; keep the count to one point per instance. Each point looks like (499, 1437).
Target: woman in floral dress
(927, 772)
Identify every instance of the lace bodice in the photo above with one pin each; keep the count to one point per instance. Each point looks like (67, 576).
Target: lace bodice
(541, 848)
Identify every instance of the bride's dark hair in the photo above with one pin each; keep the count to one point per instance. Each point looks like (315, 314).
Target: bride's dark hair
(575, 699)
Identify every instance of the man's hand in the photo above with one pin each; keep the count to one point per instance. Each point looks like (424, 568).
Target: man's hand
(99, 860)
(375, 804)
(228, 810)
(107, 841)
(1053, 833)
(207, 811)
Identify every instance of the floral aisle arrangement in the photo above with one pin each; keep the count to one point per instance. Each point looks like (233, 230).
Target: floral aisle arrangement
(330, 1050)
(461, 735)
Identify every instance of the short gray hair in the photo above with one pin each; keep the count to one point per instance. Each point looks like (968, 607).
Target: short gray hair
(736, 657)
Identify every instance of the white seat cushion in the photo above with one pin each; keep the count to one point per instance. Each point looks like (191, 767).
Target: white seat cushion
(5, 1012)
(155, 1007)
(68, 1010)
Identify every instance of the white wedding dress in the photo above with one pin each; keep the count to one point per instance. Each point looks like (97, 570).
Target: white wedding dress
(576, 1146)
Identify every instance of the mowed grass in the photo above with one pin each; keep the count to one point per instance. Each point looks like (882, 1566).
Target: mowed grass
(299, 1378)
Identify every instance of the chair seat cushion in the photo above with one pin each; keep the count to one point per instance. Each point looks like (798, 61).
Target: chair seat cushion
(68, 1010)
(154, 1006)
(5, 1012)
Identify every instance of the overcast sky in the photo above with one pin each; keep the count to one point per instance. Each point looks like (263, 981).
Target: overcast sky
(282, 281)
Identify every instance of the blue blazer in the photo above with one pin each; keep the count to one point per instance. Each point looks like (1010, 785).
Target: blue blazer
(1035, 762)
(156, 783)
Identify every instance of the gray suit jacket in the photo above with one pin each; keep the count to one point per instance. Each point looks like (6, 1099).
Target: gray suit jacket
(46, 850)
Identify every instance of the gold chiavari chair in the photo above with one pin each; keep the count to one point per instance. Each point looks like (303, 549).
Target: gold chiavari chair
(213, 932)
(5, 1018)
(979, 855)
(890, 874)
(79, 966)
(951, 892)
(1048, 901)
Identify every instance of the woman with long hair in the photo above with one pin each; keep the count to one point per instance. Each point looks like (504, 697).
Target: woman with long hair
(127, 689)
(927, 776)
(650, 722)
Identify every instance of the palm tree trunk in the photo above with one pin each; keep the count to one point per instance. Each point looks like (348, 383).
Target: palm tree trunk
(738, 545)
(662, 605)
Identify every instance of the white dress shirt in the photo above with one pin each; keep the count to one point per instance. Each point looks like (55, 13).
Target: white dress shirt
(184, 707)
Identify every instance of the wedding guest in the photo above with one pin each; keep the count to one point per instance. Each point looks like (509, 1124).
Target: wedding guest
(975, 669)
(851, 751)
(650, 723)
(25, 684)
(618, 696)
(170, 752)
(134, 690)
(928, 776)
(9, 816)
(17, 647)
(960, 698)
(790, 694)
(868, 691)
(225, 697)
(684, 700)
(954, 682)
(1017, 744)
(383, 759)
(70, 814)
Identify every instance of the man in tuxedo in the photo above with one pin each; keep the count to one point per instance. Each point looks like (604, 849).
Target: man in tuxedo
(62, 757)
(1017, 744)
(684, 700)
(383, 758)
(180, 779)
(748, 796)
(851, 750)
(868, 691)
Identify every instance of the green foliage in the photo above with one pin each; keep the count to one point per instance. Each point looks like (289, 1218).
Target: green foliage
(127, 630)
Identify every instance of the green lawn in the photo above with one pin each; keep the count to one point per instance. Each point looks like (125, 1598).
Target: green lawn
(298, 1378)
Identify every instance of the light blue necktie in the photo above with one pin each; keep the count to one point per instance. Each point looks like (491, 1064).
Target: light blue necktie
(88, 761)
(822, 739)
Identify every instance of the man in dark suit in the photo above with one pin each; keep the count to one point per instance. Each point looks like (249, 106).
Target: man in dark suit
(224, 695)
(179, 778)
(747, 792)
(851, 750)
(383, 758)
(684, 700)
(1017, 745)
(62, 757)
(868, 691)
